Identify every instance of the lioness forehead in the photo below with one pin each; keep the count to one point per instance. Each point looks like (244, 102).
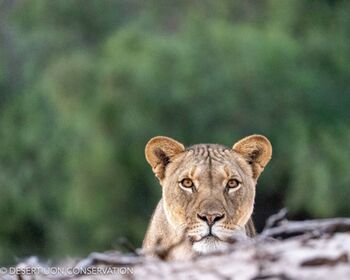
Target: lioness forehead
(207, 150)
(208, 156)
(210, 153)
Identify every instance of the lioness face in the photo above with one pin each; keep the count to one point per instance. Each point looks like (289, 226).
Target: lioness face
(208, 189)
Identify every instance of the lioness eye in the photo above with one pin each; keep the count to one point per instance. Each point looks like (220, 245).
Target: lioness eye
(186, 183)
(232, 184)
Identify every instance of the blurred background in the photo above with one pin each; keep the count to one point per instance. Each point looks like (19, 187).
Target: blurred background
(84, 84)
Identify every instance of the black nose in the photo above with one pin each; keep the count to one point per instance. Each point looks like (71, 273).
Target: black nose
(210, 218)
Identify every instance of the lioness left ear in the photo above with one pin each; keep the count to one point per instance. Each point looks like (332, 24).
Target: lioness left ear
(256, 150)
(159, 151)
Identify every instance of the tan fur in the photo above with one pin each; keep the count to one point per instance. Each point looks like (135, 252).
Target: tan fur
(184, 215)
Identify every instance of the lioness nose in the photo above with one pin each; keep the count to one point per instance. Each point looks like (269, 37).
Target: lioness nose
(210, 218)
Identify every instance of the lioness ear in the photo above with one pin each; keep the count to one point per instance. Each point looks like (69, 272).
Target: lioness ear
(159, 151)
(256, 150)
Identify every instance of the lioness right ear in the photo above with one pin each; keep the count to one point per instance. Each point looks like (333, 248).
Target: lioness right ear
(159, 151)
(256, 150)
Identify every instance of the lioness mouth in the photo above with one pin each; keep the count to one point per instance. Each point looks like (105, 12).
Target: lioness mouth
(209, 244)
(208, 237)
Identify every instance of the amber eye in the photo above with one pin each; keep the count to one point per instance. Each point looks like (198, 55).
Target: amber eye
(186, 183)
(232, 184)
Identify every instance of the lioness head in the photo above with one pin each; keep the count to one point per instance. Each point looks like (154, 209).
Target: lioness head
(208, 189)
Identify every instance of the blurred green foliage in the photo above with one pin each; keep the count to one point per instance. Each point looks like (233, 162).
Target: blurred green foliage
(85, 84)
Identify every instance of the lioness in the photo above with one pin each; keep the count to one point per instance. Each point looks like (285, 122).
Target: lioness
(208, 193)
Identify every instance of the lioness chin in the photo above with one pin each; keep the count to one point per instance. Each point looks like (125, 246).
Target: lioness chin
(208, 193)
